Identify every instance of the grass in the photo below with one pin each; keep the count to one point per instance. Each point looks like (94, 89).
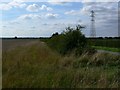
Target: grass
(107, 48)
(38, 66)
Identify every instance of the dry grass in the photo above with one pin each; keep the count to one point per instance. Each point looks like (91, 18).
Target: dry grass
(37, 66)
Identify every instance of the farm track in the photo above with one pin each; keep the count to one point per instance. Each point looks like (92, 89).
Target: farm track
(105, 51)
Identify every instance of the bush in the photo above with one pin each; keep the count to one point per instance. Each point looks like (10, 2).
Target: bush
(57, 43)
(70, 40)
(74, 40)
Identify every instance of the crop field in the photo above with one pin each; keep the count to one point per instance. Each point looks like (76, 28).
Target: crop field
(113, 43)
(9, 44)
(31, 63)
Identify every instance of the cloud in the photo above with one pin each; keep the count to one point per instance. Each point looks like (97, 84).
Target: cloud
(45, 24)
(33, 8)
(44, 7)
(22, 5)
(99, 7)
(4, 26)
(56, 24)
(57, 2)
(12, 4)
(14, 22)
(36, 17)
(5, 7)
(33, 27)
(72, 12)
(51, 16)
(62, 2)
(36, 8)
(29, 16)
(15, 3)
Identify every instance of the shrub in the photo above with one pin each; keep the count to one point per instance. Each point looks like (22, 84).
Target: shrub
(74, 40)
(57, 43)
(70, 40)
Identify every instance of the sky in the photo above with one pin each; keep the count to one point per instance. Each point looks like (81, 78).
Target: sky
(32, 18)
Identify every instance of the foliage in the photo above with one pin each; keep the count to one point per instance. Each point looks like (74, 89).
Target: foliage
(55, 34)
(70, 40)
(75, 40)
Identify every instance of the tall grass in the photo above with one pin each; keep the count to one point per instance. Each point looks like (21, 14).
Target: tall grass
(37, 66)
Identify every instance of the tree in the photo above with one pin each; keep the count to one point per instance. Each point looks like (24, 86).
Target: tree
(15, 37)
(55, 34)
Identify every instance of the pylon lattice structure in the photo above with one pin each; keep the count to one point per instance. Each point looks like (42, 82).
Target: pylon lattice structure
(92, 31)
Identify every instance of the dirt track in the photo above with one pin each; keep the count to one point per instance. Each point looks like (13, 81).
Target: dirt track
(104, 51)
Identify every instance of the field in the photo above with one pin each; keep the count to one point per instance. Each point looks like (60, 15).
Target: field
(107, 48)
(30, 63)
(110, 42)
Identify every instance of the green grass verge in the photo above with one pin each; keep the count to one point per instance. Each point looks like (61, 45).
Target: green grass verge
(107, 48)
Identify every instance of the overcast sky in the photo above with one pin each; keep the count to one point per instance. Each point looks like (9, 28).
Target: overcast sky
(42, 19)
